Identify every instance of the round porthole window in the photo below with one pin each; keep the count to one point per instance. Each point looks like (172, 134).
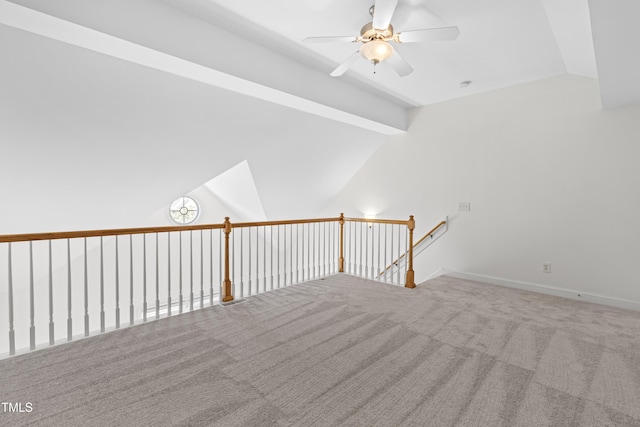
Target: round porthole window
(184, 210)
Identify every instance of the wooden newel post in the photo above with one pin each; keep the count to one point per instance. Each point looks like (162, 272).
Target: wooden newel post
(341, 259)
(410, 281)
(227, 295)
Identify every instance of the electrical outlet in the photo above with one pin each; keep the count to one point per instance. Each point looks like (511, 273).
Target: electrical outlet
(464, 206)
(546, 267)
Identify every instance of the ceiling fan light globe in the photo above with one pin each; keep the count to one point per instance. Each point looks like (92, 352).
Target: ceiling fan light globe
(376, 51)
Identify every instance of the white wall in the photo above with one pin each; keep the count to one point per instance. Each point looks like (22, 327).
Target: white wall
(89, 142)
(551, 177)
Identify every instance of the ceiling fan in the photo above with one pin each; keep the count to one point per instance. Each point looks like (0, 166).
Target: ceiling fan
(376, 35)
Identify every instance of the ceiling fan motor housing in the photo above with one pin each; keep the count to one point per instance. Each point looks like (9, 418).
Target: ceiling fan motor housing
(368, 33)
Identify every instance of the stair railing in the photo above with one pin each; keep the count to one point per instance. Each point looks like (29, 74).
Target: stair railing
(371, 243)
(434, 234)
(110, 278)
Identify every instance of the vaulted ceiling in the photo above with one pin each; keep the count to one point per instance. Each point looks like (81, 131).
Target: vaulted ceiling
(111, 109)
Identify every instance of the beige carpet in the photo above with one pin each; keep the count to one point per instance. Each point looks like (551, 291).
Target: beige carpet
(347, 351)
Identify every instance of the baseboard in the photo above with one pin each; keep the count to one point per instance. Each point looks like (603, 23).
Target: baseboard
(438, 272)
(545, 289)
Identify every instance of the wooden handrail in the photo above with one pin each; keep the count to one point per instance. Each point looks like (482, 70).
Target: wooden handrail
(378, 221)
(433, 230)
(287, 222)
(103, 233)
(174, 228)
(147, 230)
(430, 233)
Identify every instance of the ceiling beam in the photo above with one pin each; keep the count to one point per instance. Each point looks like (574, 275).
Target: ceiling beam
(62, 30)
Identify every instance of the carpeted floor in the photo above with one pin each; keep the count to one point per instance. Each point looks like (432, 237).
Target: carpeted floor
(347, 351)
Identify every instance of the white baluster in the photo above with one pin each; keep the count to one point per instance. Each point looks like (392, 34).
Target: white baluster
(303, 253)
(313, 249)
(378, 269)
(12, 333)
(352, 247)
(264, 260)
(233, 263)
(365, 227)
(399, 249)
(131, 307)
(241, 262)
(201, 271)
(257, 260)
(117, 286)
(181, 296)
(271, 257)
(69, 293)
(157, 277)
(386, 264)
(51, 328)
(297, 253)
(325, 248)
(169, 308)
(32, 327)
(373, 251)
(102, 325)
(190, 270)
(220, 266)
(86, 292)
(211, 267)
(249, 262)
(144, 277)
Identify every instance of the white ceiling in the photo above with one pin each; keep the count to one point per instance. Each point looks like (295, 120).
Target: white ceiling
(502, 42)
(102, 102)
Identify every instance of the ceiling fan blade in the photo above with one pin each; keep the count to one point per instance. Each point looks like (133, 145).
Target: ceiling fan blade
(383, 12)
(398, 63)
(342, 68)
(429, 35)
(330, 39)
